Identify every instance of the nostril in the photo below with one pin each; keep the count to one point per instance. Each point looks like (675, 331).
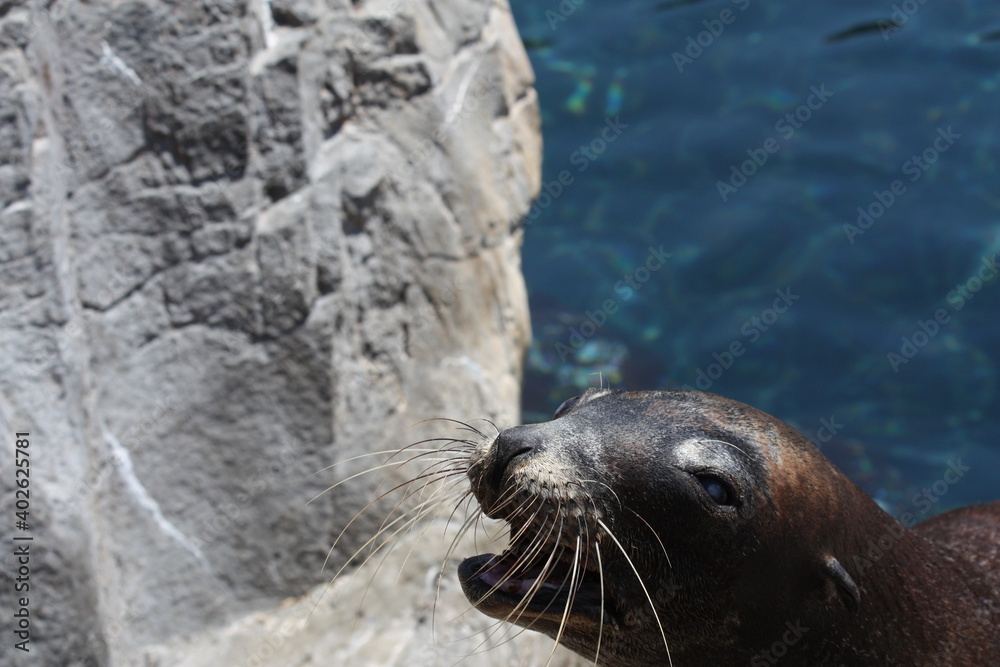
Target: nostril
(521, 452)
(503, 464)
(512, 445)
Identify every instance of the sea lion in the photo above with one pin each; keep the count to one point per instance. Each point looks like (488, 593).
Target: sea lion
(684, 528)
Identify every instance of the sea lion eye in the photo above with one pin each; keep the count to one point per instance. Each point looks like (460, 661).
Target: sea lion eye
(565, 406)
(716, 488)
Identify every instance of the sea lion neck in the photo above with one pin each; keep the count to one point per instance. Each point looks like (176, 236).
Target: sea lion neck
(902, 575)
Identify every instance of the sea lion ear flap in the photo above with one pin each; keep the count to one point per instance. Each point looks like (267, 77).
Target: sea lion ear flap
(845, 584)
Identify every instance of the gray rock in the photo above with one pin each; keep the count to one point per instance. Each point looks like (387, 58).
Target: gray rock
(240, 242)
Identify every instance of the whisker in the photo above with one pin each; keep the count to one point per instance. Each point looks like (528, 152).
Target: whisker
(459, 454)
(638, 577)
(441, 501)
(557, 550)
(370, 470)
(723, 442)
(393, 542)
(364, 456)
(490, 422)
(455, 421)
(597, 481)
(432, 479)
(378, 498)
(665, 554)
(569, 601)
(372, 540)
(600, 625)
(537, 543)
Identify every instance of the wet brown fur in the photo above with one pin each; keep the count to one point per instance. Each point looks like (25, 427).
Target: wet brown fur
(805, 564)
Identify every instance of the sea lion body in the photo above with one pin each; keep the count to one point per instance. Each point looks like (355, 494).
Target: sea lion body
(684, 528)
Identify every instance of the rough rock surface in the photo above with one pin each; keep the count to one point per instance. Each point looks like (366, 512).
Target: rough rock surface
(240, 242)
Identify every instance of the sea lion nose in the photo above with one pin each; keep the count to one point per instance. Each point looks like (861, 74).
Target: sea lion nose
(513, 446)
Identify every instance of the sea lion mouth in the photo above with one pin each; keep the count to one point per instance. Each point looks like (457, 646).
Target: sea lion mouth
(524, 589)
(550, 578)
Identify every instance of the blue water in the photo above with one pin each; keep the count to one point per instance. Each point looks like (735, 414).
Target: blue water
(705, 163)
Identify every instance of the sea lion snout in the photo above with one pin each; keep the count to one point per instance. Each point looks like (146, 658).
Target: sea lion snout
(513, 446)
(490, 473)
(524, 461)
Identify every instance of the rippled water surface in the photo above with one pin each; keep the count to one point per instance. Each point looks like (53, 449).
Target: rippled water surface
(793, 204)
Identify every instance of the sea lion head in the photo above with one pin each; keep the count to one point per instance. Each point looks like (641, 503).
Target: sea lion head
(644, 523)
